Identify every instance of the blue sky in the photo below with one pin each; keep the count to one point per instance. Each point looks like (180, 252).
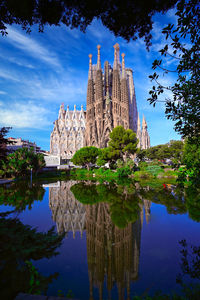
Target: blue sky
(40, 71)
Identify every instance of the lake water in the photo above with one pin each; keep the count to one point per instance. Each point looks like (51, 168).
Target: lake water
(120, 240)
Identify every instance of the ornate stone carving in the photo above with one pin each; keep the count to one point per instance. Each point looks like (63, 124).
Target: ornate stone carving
(68, 134)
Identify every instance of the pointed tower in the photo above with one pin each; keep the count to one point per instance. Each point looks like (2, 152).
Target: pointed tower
(133, 112)
(147, 207)
(99, 99)
(145, 140)
(61, 113)
(124, 97)
(107, 119)
(89, 137)
(116, 92)
(139, 136)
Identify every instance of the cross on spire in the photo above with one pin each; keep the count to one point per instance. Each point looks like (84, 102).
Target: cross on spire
(98, 58)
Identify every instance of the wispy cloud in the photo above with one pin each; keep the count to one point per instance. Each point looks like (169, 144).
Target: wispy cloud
(5, 74)
(68, 88)
(99, 32)
(24, 115)
(31, 47)
(2, 93)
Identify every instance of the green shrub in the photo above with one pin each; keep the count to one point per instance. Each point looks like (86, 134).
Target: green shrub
(124, 172)
(142, 174)
(154, 170)
(143, 165)
(171, 173)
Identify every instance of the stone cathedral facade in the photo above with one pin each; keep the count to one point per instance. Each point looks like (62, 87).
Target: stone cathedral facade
(111, 101)
(68, 134)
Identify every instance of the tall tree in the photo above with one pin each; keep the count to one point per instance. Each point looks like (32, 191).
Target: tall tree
(85, 156)
(183, 46)
(123, 142)
(3, 144)
(191, 160)
(126, 18)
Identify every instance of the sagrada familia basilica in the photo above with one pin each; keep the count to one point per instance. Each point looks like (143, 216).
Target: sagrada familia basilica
(111, 101)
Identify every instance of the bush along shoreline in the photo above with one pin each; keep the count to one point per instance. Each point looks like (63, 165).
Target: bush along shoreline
(140, 173)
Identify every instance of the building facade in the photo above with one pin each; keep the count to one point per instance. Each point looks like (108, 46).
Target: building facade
(17, 143)
(111, 102)
(68, 134)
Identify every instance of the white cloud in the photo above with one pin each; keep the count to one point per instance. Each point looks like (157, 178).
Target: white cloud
(99, 32)
(24, 115)
(15, 60)
(8, 75)
(68, 88)
(31, 47)
(2, 93)
(171, 15)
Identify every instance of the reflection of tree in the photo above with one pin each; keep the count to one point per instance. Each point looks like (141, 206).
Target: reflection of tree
(19, 244)
(68, 213)
(124, 201)
(171, 197)
(192, 196)
(190, 269)
(21, 194)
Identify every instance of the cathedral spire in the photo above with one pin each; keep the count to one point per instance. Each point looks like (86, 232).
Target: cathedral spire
(138, 123)
(124, 97)
(123, 67)
(90, 67)
(116, 57)
(61, 112)
(139, 132)
(145, 140)
(98, 58)
(144, 123)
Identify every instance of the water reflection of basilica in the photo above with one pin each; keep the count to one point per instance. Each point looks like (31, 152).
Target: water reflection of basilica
(113, 253)
(67, 212)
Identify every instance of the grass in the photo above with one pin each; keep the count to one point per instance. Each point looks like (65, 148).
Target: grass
(93, 174)
(146, 172)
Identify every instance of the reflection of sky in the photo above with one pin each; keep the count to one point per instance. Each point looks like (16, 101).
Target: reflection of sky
(35, 216)
(159, 253)
(159, 257)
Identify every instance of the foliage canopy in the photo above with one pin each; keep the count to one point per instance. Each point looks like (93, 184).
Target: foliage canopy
(128, 19)
(122, 142)
(85, 156)
(3, 143)
(183, 46)
(172, 150)
(20, 162)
